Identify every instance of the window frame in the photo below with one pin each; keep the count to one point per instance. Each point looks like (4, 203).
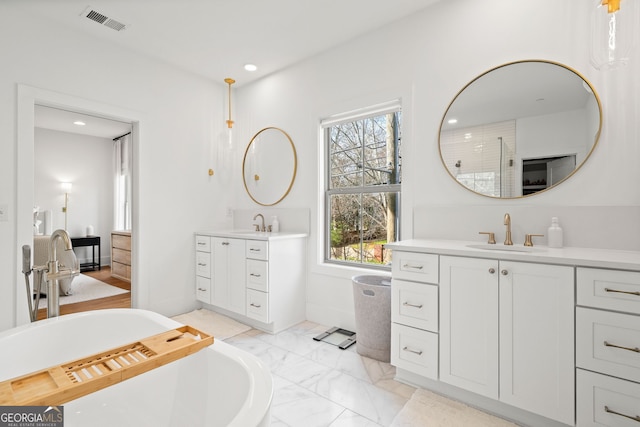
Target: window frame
(362, 189)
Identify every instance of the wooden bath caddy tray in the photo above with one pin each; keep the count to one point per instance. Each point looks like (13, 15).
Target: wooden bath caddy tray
(60, 384)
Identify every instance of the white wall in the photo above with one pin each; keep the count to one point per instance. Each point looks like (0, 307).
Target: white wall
(425, 60)
(87, 163)
(181, 118)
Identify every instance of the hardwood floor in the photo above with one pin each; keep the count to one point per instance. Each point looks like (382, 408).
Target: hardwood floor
(116, 301)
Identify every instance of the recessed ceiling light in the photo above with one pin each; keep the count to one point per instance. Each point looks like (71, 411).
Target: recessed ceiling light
(452, 121)
(79, 123)
(250, 67)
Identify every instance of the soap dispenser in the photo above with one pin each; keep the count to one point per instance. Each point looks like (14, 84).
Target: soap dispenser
(275, 224)
(554, 234)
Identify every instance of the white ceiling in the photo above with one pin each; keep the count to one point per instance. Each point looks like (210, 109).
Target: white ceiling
(215, 38)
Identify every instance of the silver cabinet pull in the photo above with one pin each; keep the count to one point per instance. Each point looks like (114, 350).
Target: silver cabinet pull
(201, 289)
(631, 417)
(254, 275)
(623, 292)
(418, 352)
(492, 270)
(225, 243)
(408, 304)
(201, 264)
(255, 305)
(414, 267)
(504, 272)
(634, 349)
(201, 243)
(254, 250)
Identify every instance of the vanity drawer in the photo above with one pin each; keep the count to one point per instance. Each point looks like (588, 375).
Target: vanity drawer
(606, 401)
(258, 275)
(414, 350)
(203, 289)
(415, 266)
(258, 305)
(607, 342)
(414, 304)
(203, 243)
(609, 289)
(203, 264)
(257, 249)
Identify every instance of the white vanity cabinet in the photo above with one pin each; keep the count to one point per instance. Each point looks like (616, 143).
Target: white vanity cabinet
(608, 347)
(506, 332)
(538, 335)
(257, 278)
(275, 282)
(469, 324)
(220, 266)
(414, 313)
(203, 268)
(228, 281)
(536, 316)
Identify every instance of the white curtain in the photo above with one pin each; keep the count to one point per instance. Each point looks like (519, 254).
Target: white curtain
(122, 184)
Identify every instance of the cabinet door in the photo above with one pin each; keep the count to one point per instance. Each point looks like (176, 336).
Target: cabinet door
(469, 324)
(537, 339)
(414, 304)
(203, 289)
(258, 305)
(220, 279)
(258, 275)
(236, 276)
(229, 289)
(203, 264)
(414, 350)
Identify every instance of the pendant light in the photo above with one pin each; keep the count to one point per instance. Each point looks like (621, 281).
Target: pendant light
(613, 29)
(229, 82)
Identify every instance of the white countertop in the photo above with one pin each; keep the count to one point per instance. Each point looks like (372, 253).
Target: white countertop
(584, 257)
(251, 235)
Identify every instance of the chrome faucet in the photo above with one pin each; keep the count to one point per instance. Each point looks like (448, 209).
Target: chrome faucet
(54, 274)
(507, 222)
(258, 228)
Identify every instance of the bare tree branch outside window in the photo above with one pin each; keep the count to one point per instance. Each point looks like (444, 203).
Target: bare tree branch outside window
(364, 188)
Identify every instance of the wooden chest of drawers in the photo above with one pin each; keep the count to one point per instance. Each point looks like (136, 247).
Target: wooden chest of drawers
(121, 255)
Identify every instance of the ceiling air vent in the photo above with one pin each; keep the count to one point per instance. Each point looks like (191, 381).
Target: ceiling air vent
(103, 19)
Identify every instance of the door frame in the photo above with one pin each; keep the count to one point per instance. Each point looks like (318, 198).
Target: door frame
(28, 98)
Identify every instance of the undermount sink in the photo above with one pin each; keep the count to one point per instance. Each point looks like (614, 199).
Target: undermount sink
(495, 247)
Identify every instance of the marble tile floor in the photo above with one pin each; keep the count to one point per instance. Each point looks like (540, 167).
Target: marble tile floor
(317, 384)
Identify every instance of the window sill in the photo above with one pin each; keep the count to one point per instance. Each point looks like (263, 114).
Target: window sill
(347, 271)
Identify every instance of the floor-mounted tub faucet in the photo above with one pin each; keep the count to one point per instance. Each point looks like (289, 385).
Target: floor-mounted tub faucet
(507, 222)
(54, 274)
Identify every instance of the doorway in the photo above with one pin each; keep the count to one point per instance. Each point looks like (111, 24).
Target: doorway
(80, 152)
(28, 99)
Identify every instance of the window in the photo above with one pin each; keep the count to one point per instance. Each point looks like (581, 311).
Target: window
(122, 187)
(363, 182)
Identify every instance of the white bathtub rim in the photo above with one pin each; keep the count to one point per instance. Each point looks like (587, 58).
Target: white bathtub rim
(254, 411)
(162, 320)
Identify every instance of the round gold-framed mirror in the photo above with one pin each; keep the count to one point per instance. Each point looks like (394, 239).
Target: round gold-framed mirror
(520, 129)
(269, 166)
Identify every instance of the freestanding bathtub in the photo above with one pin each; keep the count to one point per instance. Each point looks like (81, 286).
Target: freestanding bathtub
(217, 386)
